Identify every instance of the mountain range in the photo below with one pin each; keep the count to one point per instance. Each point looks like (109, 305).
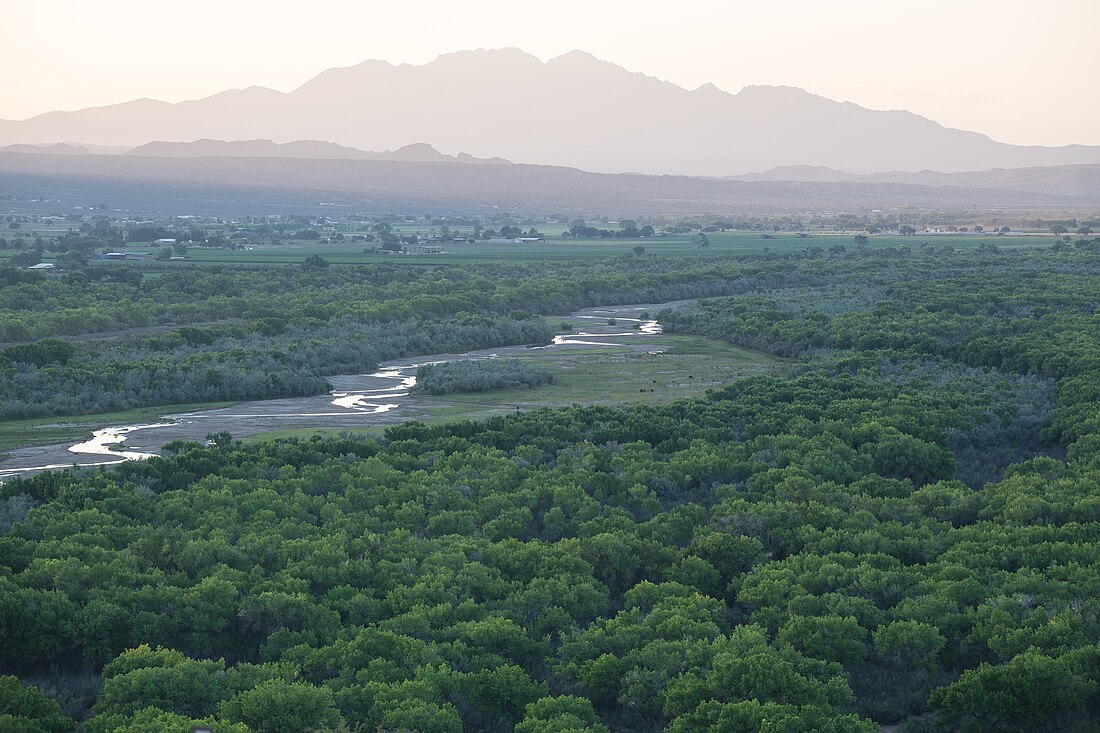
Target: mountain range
(1082, 181)
(574, 110)
(315, 149)
(231, 185)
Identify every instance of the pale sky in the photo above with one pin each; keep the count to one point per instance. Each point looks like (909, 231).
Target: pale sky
(1023, 72)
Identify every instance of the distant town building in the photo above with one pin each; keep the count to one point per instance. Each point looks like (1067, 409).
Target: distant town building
(515, 240)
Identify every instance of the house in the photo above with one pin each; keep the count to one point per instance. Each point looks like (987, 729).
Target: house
(166, 240)
(528, 240)
(42, 266)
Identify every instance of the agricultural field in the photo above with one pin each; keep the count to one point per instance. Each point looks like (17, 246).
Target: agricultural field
(427, 241)
(565, 249)
(570, 249)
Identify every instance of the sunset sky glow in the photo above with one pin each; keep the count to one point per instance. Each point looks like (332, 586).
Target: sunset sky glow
(1014, 70)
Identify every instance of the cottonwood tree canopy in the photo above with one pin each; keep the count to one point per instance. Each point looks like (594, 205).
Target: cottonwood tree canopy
(903, 530)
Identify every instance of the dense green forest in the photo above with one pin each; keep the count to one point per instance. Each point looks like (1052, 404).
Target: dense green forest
(904, 531)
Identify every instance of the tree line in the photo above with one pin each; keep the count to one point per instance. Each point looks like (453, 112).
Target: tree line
(479, 375)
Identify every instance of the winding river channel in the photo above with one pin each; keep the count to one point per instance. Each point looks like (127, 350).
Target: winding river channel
(356, 400)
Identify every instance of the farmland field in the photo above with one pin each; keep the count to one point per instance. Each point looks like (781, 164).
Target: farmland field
(560, 249)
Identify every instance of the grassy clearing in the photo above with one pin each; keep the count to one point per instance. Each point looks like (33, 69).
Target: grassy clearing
(46, 430)
(688, 368)
(590, 375)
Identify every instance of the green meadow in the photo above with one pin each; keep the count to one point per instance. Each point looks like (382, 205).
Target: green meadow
(557, 248)
(687, 367)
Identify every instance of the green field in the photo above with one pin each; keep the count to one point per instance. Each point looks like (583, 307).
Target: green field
(690, 367)
(557, 248)
(594, 376)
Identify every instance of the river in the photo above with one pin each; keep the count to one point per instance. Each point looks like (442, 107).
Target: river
(356, 400)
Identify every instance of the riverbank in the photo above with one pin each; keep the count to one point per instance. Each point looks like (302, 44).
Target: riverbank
(612, 355)
(46, 430)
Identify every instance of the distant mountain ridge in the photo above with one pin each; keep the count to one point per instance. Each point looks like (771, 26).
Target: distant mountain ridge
(1071, 180)
(414, 152)
(1068, 180)
(231, 185)
(54, 149)
(573, 110)
(805, 173)
(316, 149)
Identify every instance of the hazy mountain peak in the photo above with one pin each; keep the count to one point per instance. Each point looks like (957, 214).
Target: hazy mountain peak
(567, 111)
(778, 91)
(416, 152)
(502, 52)
(581, 62)
(253, 91)
(484, 56)
(338, 76)
(800, 173)
(578, 56)
(709, 88)
(369, 64)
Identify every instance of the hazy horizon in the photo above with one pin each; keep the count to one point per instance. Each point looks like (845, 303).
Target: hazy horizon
(961, 65)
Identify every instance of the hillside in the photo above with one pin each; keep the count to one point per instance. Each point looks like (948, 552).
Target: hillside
(1071, 180)
(226, 185)
(573, 110)
(54, 149)
(316, 149)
